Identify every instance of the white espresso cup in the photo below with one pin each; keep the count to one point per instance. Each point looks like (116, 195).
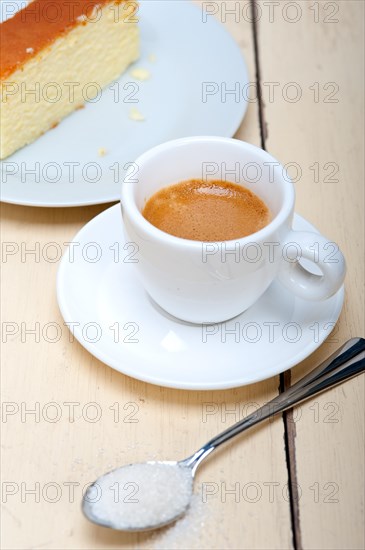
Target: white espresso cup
(206, 282)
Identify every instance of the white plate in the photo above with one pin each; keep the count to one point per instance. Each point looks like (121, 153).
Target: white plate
(117, 322)
(189, 52)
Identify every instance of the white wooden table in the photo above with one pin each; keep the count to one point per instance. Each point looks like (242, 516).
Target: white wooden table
(307, 58)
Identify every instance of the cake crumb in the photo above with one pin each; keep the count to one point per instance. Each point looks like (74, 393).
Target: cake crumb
(134, 114)
(152, 58)
(140, 74)
(30, 50)
(102, 152)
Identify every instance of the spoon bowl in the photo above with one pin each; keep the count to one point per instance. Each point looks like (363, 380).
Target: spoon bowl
(140, 496)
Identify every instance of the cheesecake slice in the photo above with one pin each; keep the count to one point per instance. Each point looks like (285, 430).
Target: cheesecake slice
(55, 56)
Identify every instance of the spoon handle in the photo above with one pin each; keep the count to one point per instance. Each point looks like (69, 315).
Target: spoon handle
(348, 361)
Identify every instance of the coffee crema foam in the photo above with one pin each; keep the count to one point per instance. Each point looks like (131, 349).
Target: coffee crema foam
(207, 210)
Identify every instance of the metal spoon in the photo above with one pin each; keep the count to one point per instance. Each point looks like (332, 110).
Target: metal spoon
(347, 362)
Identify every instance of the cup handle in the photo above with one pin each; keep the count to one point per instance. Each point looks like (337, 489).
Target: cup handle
(317, 249)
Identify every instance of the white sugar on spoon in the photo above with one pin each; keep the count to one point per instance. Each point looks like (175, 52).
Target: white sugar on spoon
(145, 496)
(140, 496)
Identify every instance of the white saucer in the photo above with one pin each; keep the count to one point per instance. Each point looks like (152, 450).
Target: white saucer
(189, 51)
(153, 346)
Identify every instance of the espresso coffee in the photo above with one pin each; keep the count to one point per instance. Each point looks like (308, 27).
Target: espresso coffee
(207, 210)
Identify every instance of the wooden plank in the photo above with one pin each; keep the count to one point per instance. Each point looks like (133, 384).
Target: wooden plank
(170, 423)
(315, 50)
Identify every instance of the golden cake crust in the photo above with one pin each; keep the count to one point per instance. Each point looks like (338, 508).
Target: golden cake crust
(39, 24)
